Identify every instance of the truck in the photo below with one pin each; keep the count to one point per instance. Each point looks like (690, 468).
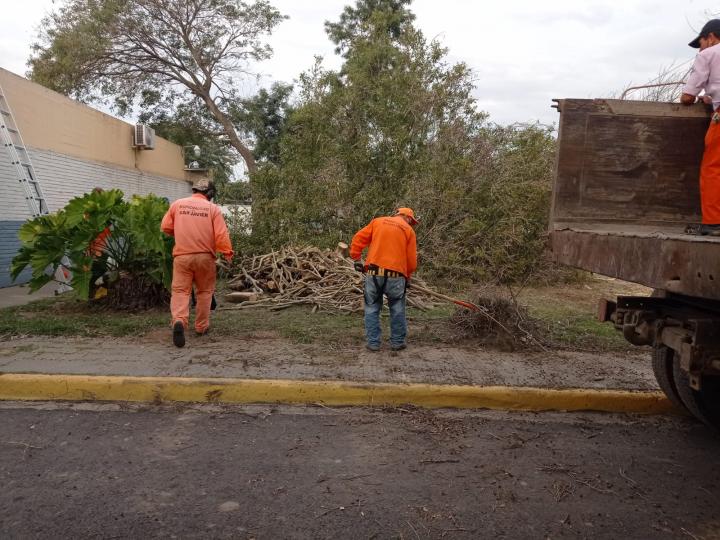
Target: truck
(626, 189)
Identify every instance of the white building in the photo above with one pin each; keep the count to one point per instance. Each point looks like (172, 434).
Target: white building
(73, 149)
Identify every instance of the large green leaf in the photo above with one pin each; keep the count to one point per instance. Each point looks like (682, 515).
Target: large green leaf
(39, 281)
(20, 262)
(144, 216)
(94, 208)
(81, 277)
(136, 246)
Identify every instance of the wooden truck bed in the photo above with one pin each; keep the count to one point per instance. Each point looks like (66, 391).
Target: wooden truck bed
(626, 186)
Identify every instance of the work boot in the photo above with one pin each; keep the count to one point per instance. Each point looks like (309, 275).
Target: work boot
(398, 347)
(372, 348)
(178, 334)
(203, 333)
(709, 229)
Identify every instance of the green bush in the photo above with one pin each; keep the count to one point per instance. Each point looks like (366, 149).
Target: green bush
(398, 125)
(135, 260)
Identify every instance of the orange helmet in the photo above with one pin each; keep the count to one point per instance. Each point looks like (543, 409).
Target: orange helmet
(407, 212)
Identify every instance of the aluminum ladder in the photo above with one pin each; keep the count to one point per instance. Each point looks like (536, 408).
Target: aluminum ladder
(20, 159)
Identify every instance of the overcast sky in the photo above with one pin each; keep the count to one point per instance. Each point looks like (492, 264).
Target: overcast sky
(523, 52)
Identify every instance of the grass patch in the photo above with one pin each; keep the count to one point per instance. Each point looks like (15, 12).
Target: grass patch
(568, 327)
(67, 316)
(299, 325)
(296, 324)
(568, 313)
(565, 313)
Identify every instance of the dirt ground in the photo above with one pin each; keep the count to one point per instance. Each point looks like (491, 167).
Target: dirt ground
(585, 293)
(89, 471)
(267, 356)
(252, 345)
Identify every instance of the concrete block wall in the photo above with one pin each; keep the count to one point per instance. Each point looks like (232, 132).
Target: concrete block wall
(64, 177)
(13, 213)
(61, 178)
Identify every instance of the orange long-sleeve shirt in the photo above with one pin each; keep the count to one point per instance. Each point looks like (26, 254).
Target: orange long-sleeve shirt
(392, 242)
(198, 227)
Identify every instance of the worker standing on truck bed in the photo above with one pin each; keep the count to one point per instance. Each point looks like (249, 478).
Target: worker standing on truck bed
(391, 260)
(705, 75)
(200, 233)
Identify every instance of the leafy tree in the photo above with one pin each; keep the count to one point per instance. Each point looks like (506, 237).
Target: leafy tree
(501, 218)
(397, 125)
(367, 18)
(264, 118)
(120, 48)
(135, 258)
(237, 192)
(189, 124)
(364, 139)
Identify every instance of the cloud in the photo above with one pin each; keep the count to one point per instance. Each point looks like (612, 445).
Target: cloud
(523, 52)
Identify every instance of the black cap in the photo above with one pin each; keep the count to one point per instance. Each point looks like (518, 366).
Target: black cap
(713, 25)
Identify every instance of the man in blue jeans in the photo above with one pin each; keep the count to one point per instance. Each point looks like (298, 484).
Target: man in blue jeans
(390, 261)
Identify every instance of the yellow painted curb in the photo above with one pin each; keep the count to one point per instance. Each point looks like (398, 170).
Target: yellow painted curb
(29, 386)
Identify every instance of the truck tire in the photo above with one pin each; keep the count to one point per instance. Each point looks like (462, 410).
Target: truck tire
(704, 404)
(662, 364)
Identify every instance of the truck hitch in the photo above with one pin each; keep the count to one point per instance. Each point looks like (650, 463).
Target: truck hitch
(661, 321)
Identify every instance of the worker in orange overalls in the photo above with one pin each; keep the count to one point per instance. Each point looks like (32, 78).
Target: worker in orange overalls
(390, 261)
(98, 267)
(705, 75)
(200, 233)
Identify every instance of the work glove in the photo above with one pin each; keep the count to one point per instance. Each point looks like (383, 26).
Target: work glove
(407, 283)
(359, 266)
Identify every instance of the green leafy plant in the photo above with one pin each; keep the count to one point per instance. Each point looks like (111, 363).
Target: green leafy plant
(99, 235)
(398, 125)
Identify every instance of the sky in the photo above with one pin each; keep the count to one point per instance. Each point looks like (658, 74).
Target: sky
(523, 53)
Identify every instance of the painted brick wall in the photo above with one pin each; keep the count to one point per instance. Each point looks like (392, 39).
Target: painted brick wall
(8, 248)
(13, 213)
(62, 178)
(13, 206)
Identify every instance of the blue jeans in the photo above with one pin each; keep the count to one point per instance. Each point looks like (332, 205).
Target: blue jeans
(395, 291)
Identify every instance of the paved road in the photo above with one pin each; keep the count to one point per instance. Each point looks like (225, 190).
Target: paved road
(259, 472)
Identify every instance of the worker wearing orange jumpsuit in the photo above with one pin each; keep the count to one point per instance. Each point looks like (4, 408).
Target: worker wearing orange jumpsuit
(200, 233)
(390, 262)
(705, 75)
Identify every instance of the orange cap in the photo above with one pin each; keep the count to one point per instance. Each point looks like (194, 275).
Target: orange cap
(407, 212)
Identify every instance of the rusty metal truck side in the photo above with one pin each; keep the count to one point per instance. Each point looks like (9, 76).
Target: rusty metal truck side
(626, 189)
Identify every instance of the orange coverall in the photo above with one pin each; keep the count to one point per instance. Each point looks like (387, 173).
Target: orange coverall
(98, 245)
(710, 176)
(392, 242)
(705, 75)
(200, 232)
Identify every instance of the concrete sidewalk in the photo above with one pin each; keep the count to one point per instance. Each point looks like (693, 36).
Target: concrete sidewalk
(273, 370)
(19, 295)
(274, 358)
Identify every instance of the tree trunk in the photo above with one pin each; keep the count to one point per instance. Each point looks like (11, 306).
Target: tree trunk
(229, 129)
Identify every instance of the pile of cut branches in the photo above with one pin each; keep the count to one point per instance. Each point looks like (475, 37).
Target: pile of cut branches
(323, 279)
(500, 321)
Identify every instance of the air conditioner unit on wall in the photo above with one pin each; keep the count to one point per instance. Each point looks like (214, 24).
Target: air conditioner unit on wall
(144, 137)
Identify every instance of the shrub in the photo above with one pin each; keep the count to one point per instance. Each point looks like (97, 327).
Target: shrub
(397, 125)
(99, 235)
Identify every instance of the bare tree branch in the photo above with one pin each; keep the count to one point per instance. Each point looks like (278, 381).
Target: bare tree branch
(202, 45)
